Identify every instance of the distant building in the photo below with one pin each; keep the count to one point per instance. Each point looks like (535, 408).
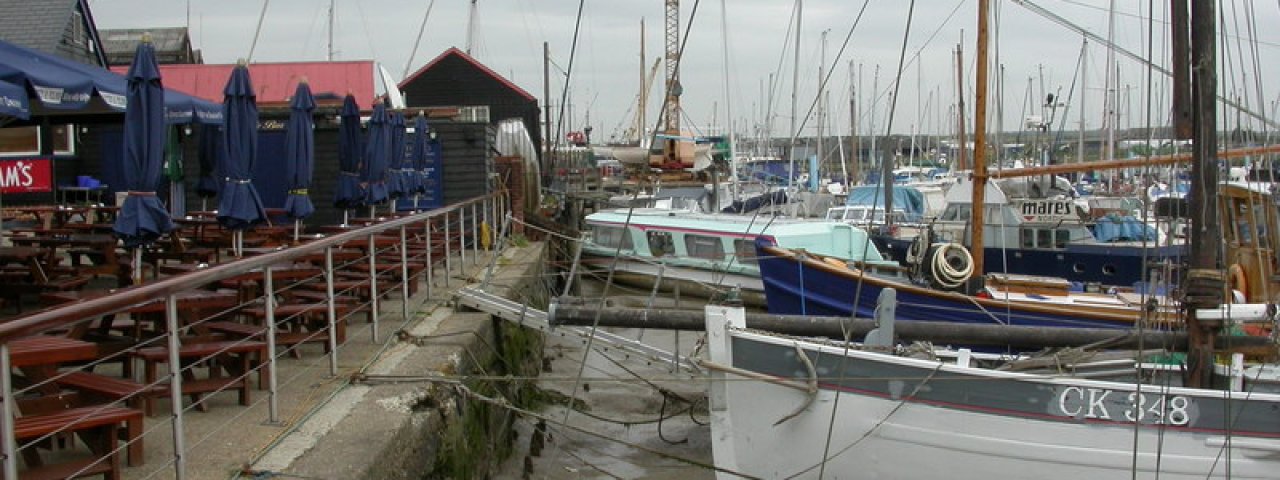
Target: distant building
(172, 44)
(275, 82)
(58, 27)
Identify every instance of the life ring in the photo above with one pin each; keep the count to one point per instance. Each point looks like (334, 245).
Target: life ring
(1238, 280)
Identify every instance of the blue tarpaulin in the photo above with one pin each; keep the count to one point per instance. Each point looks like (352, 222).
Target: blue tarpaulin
(1113, 228)
(907, 199)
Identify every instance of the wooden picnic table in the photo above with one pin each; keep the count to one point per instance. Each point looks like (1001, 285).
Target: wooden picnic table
(100, 248)
(32, 257)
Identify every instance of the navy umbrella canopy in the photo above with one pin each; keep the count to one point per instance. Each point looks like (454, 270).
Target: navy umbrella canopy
(397, 181)
(239, 206)
(374, 172)
(349, 194)
(142, 218)
(299, 152)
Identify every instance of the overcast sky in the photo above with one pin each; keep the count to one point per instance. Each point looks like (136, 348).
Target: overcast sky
(606, 70)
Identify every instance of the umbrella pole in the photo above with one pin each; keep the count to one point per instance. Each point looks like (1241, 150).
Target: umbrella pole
(416, 196)
(204, 204)
(345, 213)
(372, 213)
(297, 229)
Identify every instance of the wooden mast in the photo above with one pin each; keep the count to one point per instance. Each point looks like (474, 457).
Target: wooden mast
(1204, 281)
(980, 143)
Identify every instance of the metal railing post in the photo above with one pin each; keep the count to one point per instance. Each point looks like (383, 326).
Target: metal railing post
(10, 446)
(332, 314)
(462, 239)
(175, 387)
(475, 236)
(373, 287)
(484, 208)
(448, 261)
(431, 261)
(269, 297)
(404, 276)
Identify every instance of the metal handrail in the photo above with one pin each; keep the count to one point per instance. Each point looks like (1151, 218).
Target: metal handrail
(44, 320)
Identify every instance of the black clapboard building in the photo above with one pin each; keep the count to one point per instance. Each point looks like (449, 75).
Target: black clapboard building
(467, 100)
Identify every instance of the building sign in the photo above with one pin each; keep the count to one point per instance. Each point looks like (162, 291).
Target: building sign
(26, 175)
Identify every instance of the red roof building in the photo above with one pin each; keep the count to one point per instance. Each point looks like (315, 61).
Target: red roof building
(275, 82)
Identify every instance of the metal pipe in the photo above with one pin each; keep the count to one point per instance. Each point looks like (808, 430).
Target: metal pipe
(175, 386)
(475, 236)
(431, 261)
(331, 315)
(9, 448)
(448, 262)
(269, 302)
(373, 288)
(462, 240)
(945, 333)
(404, 276)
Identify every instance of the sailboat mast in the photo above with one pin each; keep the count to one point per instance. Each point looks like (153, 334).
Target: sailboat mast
(980, 141)
(329, 57)
(1084, 79)
(1204, 287)
(795, 87)
(728, 103)
(962, 161)
(641, 126)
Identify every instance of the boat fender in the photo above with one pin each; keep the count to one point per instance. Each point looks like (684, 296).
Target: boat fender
(947, 274)
(1238, 281)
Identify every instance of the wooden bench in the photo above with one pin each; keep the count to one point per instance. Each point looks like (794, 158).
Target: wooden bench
(312, 316)
(357, 303)
(242, 354)
(97, 425)
(113, 389)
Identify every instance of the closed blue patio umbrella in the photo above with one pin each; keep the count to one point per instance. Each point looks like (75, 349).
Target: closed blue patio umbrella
(373, 173)
(239, 207)
(348, 194)
(143, 218)
(419, 157)
(298, 155)
(398, 181)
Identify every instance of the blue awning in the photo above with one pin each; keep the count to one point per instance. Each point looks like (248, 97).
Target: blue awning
(13, 101)
(56, 85)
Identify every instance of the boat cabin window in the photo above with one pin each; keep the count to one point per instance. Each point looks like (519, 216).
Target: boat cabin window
(609, 236)
(745, 250)
(1044, 237)
(701, 246)
(660, 243)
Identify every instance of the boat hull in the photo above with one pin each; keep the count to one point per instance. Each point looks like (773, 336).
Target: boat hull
(687, 281)
(1094, 263)
(795, 285)
(895, 417)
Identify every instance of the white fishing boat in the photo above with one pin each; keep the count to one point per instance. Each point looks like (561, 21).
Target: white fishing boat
(786, 407)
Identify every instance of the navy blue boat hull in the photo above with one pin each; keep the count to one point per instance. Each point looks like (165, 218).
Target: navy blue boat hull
(1120, 265)
(810, 287)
